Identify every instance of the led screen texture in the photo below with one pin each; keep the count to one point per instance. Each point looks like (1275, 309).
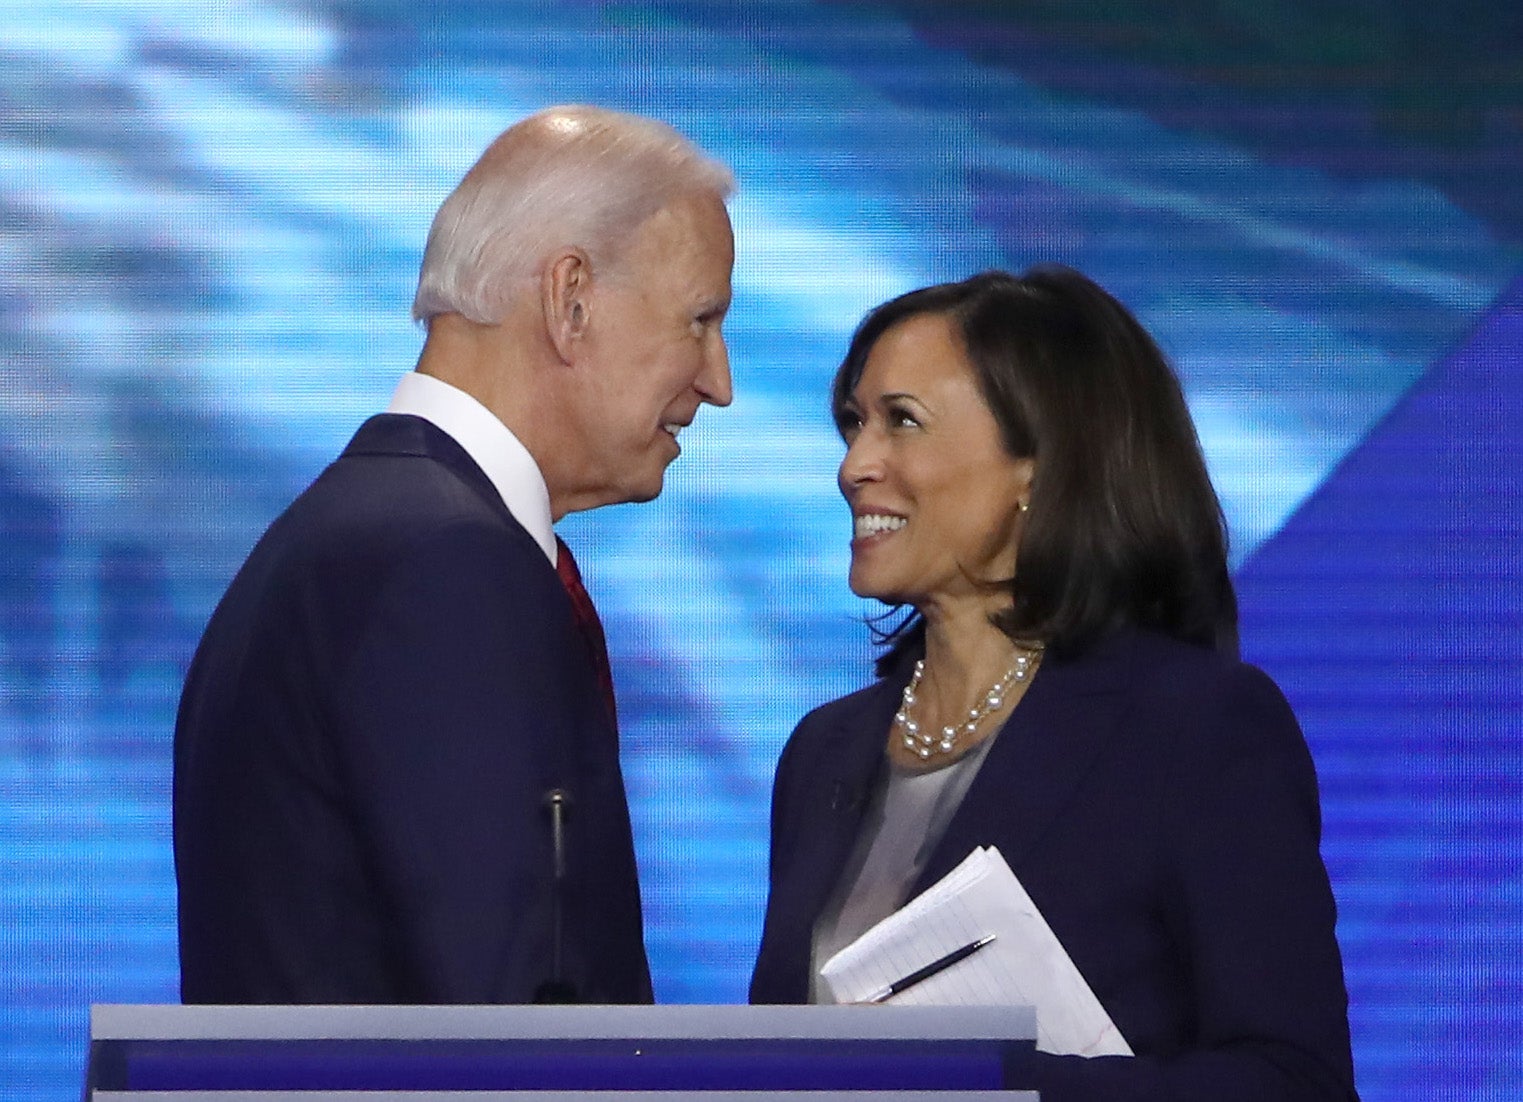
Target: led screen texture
(211, 216)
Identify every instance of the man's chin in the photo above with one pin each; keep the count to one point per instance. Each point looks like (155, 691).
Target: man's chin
(641, 484)
(648, 491)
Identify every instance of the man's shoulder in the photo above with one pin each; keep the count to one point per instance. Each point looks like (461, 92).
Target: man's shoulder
(380, 514)
(399, 434)
(401, 474)
(404, 449)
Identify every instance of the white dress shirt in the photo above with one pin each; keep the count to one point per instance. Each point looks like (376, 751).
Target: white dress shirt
(489, 443)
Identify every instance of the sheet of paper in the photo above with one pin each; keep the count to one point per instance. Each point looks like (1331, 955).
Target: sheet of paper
(1025, 964)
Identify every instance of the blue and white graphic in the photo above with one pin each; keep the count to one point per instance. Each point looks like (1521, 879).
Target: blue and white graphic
(211, 217)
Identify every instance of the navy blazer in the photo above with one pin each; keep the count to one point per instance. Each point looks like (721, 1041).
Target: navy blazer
(380, 702)
(1159, 804)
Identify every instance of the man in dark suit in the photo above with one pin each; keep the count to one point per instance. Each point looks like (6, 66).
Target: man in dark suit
(407, 669)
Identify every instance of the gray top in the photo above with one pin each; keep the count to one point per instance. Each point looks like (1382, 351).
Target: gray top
(905, 819)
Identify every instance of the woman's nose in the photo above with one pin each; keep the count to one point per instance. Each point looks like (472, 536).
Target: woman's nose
(862, 463)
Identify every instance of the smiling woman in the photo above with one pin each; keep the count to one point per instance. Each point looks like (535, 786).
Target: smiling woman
(1022, 470)
(1048, 379)
(936, 499)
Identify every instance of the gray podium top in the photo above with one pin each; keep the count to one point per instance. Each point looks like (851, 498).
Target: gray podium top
(109, 1022)
(128, 1027)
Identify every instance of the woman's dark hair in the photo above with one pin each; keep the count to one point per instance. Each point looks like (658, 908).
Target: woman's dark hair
(1124, 526)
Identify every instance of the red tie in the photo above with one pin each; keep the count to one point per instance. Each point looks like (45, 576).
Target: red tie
(586, 616)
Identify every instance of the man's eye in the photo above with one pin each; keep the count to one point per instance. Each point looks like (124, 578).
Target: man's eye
(706, 321)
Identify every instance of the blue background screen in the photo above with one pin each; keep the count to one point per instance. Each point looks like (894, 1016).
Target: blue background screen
(211, 216)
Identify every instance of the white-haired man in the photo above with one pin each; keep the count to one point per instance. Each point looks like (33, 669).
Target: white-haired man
(396, 758)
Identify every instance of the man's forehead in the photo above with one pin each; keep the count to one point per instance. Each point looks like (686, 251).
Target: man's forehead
(699, 221)
(688, 239)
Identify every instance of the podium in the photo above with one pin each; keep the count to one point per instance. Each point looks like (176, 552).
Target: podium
(550, 1053)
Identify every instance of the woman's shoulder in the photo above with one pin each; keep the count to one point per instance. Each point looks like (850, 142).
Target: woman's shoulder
(841, 735)
(1158, 659)
(1210, 703)
(843, 711)
(1177, 685)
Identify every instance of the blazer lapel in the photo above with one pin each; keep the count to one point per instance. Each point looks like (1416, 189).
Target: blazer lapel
(1035, 767)
(854, 757)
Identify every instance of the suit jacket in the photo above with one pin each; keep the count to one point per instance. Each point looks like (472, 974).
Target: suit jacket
(1159, 803)
(380, 702)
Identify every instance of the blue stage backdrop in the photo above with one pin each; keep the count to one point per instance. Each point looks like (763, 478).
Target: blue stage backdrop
(210, 221)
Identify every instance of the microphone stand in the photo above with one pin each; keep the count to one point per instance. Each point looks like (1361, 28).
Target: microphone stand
(557, 989)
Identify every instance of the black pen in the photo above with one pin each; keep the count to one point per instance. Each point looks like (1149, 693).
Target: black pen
(941, 964)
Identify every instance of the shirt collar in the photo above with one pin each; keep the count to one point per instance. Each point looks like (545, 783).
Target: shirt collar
(489, 443)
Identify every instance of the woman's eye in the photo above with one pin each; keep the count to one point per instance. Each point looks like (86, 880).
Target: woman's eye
(902, 418)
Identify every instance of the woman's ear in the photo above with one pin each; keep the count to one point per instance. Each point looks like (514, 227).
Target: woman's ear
(565, 300)
(1025, 474)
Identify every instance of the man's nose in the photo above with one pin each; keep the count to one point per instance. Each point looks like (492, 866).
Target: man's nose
(714, 381)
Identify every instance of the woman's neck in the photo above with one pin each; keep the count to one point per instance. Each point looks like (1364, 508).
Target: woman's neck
(961, 692)
(964, 655)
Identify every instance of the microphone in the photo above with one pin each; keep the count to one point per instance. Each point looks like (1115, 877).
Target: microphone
(556, 802)
(844, 797)
(556, 989)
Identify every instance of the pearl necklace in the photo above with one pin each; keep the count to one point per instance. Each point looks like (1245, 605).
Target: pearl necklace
(923, 744)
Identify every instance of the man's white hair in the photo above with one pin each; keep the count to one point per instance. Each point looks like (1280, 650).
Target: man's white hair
(567, 176)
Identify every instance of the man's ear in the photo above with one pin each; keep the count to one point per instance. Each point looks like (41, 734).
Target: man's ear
(565, 299)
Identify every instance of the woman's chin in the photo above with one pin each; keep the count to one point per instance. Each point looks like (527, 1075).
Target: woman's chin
(864, 585)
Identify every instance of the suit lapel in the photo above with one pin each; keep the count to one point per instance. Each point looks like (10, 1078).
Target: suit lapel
(1067, 718)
